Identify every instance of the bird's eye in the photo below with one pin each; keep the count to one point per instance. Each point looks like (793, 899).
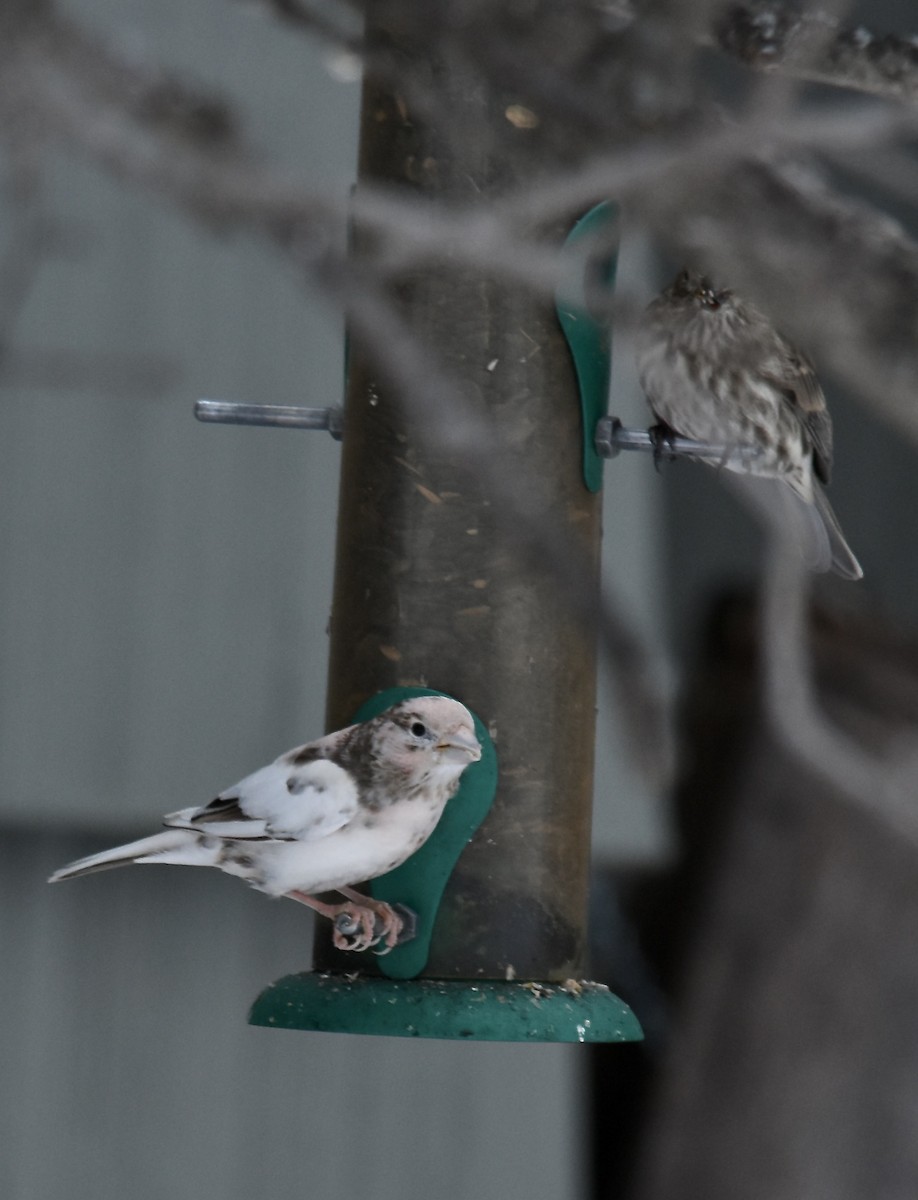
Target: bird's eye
(419, 729)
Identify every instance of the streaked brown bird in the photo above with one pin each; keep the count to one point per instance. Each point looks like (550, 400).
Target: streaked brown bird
(714, 369)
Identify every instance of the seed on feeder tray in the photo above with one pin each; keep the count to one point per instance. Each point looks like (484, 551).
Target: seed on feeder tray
(539, 990)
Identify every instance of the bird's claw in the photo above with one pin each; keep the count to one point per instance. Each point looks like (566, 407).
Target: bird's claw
(662, 436)
(354, 928)
(408, 929)
(358, 927)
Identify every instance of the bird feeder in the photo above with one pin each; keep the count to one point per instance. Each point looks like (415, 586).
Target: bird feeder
(431, 592)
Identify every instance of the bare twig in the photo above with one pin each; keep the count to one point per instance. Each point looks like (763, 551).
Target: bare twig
(811, 45)
(882, 787)
(220, 178)
(330, 21)
(690, 179)
(816, 46)
(223, 183)
(783, 236)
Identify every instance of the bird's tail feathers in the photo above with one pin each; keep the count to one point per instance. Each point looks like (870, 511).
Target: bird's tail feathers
(811, 527)
(843, 561)
(172, 846)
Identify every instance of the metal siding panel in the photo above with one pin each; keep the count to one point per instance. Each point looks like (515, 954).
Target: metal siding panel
(129, 1069)
(166, 585)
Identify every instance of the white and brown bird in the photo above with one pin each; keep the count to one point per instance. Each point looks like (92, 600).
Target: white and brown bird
(345, 808)
(714, 369)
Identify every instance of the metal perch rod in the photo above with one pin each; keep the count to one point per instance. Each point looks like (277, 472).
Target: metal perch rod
(225, 412)
(611, 436)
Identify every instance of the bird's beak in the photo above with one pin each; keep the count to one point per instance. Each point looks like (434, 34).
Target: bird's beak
(463, 743)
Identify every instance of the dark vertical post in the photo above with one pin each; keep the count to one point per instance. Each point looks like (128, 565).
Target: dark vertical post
(429, 587)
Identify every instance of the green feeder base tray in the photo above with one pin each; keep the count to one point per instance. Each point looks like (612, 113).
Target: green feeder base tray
(488, 1011)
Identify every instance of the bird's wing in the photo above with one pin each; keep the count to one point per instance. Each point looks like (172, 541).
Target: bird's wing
(797, 380)
(280, 802)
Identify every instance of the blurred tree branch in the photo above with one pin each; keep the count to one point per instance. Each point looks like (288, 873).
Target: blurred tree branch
(879, 778)
(599, 101)
(779, 38)
(774, 37)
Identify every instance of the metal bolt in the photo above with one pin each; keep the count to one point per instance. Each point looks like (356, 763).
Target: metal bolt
(346, 924)
(283, 416)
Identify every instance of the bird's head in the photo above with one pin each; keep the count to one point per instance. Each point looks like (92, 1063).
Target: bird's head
(432, 733)
(689, 288)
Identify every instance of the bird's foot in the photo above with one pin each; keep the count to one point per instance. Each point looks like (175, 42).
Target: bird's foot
(363, 922)
(387, 924)
(409, 926)
(355, 923)
(354, 927)
(662, 437)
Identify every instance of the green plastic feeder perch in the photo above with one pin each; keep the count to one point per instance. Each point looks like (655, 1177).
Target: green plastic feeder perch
(590, 339)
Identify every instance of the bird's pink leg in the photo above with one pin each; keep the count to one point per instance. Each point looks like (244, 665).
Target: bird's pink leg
(361, 911)
(392, 923)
